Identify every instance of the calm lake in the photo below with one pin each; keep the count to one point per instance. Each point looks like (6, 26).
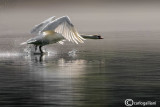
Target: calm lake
(98, 73)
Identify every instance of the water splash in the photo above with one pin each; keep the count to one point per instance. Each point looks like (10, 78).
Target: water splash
(30, 49)
(9, 54)
(27, 49)
(72, 53)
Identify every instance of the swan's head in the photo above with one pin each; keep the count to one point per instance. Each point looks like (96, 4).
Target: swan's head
(92, 36)
(97, 36)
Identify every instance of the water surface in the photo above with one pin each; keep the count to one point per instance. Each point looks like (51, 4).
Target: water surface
(99, 73)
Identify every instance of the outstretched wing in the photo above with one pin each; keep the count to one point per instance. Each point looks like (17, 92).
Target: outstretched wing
(64, 27)
(39, 27)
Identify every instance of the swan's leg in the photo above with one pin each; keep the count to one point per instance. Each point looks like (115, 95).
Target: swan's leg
(40, 49)
(35, 47)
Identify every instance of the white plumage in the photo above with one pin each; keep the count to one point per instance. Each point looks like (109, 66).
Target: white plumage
(55, 30)
(60, 25)
(39, 27)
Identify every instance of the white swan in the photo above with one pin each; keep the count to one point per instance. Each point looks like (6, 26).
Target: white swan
(56, 30)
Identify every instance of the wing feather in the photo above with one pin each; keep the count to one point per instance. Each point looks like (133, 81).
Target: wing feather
(69, 33)
(39, 27)
(66, 31)
(64, 27)
(72, 35)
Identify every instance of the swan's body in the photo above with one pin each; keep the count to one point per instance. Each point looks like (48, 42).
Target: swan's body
(56, 30)
(48, 37)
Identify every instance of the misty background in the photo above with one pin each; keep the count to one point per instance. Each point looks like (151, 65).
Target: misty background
(19, 16)
(123, 65)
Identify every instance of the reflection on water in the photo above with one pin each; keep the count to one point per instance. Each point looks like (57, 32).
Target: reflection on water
(33, 80)
(94, 74)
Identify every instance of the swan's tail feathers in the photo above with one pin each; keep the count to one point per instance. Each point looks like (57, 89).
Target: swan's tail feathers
(24, 43)
(30, 41)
